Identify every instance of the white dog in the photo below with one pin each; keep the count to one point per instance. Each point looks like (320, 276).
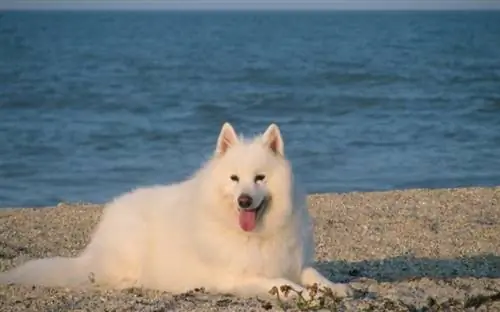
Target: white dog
(238, 225)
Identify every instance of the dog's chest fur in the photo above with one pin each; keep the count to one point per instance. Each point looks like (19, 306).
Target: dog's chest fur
(280, 255)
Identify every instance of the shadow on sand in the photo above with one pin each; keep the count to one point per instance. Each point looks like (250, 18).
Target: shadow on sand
(403, 268)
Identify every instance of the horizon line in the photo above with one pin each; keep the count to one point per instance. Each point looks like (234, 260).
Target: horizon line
(249, 9)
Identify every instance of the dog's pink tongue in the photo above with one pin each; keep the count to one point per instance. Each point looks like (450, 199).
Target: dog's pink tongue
(247, 219)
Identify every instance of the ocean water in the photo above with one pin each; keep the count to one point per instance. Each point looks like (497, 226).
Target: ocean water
(93, 104)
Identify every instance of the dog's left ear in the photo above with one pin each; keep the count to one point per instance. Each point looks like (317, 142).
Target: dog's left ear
(272, 138)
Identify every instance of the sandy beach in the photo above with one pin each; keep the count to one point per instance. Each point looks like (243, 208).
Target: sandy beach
(398, 248)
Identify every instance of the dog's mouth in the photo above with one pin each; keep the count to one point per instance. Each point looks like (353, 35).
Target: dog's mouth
(249, 217)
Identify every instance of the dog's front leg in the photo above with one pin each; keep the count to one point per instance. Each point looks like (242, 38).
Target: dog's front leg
(311, 276)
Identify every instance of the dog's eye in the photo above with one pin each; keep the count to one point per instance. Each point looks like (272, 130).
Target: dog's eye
(259, 178)
(235, 178)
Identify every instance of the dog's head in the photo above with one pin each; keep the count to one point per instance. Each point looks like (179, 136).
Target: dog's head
(251, 181)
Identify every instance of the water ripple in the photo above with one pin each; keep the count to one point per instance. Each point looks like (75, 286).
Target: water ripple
(96, 103)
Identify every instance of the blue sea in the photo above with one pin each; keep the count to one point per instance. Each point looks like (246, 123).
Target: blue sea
(95, 103)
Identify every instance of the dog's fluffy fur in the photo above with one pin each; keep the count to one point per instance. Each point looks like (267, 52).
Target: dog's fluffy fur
(187, 235)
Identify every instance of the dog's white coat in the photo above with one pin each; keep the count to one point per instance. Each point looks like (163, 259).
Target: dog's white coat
(186, 235)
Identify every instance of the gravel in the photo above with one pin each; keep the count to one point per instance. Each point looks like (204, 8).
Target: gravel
(403, 251)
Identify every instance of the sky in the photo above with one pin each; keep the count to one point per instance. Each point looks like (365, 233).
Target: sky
(252, 4)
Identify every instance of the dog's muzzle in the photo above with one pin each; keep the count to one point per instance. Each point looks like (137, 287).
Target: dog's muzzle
(248, 213)
(245, 202)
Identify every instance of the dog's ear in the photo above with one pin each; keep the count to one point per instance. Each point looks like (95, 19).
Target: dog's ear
(272, 139)
(227, 138)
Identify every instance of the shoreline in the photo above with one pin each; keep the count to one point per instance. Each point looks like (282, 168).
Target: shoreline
(309, 196)
(400, 246)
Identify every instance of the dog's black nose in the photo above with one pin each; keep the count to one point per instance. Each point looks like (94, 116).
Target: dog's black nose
(244, 201)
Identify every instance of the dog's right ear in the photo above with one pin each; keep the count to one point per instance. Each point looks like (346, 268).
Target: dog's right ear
(227, 138)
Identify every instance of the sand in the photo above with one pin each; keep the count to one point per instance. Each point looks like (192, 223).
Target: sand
(397, 248)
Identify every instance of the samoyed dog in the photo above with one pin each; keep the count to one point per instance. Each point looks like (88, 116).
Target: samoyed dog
(239, 225)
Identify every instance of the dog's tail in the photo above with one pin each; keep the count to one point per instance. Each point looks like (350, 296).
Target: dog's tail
(54, 272)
